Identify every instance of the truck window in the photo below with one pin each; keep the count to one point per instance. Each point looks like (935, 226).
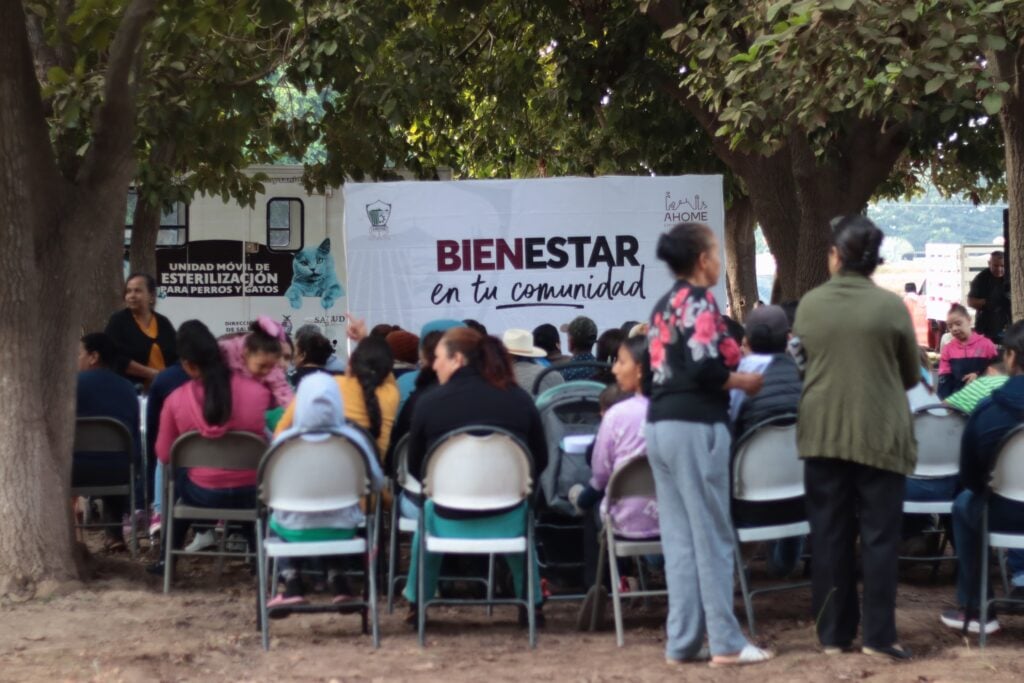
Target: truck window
(285, 223)
(173, 230)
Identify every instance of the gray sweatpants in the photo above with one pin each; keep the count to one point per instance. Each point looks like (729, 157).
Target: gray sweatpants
(690, 461)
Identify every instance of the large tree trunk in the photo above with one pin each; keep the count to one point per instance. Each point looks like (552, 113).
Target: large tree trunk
(740, 257)
(1008, 63)
(145, 226)
(53, 248)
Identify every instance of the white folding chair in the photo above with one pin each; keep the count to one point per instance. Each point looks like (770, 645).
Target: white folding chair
(478, 469)
(633, 479)
(938, 430)
(1007, 482)
(300, 475)
(766, 468)
(233, 451)
(107, 435)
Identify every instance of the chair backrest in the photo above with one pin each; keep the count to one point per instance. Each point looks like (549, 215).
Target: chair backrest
(102, 435)
(633, 479)
(938, 430)
(233, 451)
(766, 465)
(478, 468)
(300, 475)
(402, 476)
(1008, 473)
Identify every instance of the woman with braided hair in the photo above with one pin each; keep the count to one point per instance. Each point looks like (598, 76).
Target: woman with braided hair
(368, 391)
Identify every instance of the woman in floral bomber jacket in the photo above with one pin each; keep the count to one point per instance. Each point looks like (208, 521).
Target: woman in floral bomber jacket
(692, 368)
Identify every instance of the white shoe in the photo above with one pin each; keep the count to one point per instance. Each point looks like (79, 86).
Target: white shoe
(750, 654)
(202, 541)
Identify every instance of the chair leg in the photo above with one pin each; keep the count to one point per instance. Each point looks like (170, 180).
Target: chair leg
(222, 547)
(133, 540)
(392, 554)
(983, 598)
(613, 565)
(1002, 570)
(490, 584)
(261, 560)
(168, 536)
(372, 560)
(638, 562)
(531, 586)
(421, 600)
(744, 588)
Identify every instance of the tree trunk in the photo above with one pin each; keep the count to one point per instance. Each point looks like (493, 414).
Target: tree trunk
(740, 257)
(1012, 118)
(103, 287)
(145, 226)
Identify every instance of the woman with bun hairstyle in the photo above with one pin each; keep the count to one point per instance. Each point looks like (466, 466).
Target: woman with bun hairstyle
(856, 438)
(257, 355)
(477, 386)
(692, 367)
(312, 351)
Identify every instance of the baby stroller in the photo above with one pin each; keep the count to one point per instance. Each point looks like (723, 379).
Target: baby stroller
(566, 410)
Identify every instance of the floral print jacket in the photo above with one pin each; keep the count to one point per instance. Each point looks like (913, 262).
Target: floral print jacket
(691, 356)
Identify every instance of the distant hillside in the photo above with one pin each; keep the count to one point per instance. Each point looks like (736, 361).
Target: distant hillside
(933, 219)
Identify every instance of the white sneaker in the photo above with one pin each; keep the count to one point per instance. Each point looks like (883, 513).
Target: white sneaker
(202, 541)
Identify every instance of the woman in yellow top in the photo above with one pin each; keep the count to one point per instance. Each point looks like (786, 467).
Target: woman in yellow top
(368, 390)
(145, 339)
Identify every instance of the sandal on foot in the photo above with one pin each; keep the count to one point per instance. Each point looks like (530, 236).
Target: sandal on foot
(702, 655)
(894, 652)
(750, 654)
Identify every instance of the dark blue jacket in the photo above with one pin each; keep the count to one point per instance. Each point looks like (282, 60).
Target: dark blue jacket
(163, 384)
(104, 393)
(988, 425)
(779, 396)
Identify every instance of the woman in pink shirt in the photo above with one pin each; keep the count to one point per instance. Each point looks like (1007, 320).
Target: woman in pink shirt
(213, 403)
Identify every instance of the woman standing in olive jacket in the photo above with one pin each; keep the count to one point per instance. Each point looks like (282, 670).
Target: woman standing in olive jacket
(855, 433)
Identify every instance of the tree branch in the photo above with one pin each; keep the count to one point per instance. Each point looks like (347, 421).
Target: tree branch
(114, 121)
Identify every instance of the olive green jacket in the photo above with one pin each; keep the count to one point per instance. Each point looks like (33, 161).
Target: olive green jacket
(861, 356)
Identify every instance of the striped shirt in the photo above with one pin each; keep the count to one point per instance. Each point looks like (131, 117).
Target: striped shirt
(968, 398)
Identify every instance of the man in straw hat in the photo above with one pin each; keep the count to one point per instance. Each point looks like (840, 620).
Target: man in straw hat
(520, 344)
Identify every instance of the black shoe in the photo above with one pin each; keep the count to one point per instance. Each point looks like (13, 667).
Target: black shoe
(894, 652)
(412, 617)
(538, 617)
(340, 586)
(157, 568)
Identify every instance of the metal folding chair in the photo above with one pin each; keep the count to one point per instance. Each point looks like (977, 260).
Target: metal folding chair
(107, 435)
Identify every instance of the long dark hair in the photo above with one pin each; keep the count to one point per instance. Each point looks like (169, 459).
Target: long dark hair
(371, 363)
(484, 353)
(197, 345)
(316, 349)
(428, 349)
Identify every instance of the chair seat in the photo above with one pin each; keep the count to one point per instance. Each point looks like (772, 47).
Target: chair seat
(119, 490)
(349, 546)
(998, 539)
(475, 546)
(407, 525)
(182, 511)
(625, 547)
(771, 533)
(929, 507)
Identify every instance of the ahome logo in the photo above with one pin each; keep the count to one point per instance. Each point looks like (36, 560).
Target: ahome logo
(685, 210)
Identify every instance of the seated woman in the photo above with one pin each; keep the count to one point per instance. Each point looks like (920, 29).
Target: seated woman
(966, 356)
(104, 393)
(368, 390)
(312, 351)
(213, 403)
(318, 407)
(477, 387)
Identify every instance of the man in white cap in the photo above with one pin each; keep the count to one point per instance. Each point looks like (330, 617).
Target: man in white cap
(520, 345)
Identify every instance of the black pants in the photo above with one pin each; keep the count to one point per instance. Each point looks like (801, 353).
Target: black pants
(844, 499)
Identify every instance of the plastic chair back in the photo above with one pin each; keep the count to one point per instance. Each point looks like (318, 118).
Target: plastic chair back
(767, 465)
(478, 468)
(233, 451)
(402, 476)
(1008, 474)
(300, 475)
(633, 479)
(938, 430)
(102, 435)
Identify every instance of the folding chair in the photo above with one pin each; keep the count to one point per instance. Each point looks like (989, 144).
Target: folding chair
(316, 476)
(1007, 482)
(471, 472)
(233, 451)
(107, 435)
(767, 468)
(938, 430)
(634, 479)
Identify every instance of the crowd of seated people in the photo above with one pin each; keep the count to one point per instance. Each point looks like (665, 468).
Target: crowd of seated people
(686, 382)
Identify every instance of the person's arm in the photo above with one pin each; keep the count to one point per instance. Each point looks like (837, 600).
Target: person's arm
(603, 458)
(976, 296)
(278, 385)
(143, 372)
(169, 431)
(908, 352)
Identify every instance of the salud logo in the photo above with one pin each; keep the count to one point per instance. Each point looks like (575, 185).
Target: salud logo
(378, 212)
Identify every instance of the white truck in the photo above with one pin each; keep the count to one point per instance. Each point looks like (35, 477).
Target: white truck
(950, 269)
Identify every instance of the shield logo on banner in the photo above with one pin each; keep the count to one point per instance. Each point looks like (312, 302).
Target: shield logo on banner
(378, 212)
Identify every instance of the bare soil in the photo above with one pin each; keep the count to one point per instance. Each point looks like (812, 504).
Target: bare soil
(119, 626)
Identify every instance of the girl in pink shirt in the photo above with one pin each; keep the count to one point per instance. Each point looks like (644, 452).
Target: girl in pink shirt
(966, 356)
(257, 355)
(213, 403)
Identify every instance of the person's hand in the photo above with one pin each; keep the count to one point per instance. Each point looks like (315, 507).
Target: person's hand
(749, 382)
(356, 329)
(968, 378)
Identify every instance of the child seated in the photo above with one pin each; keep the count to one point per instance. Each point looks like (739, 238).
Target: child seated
(318, 406)
(966, 356)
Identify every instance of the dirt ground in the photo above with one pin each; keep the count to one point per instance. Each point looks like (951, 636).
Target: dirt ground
(120, 627)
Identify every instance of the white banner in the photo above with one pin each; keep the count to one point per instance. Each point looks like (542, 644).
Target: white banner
(518, 253)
